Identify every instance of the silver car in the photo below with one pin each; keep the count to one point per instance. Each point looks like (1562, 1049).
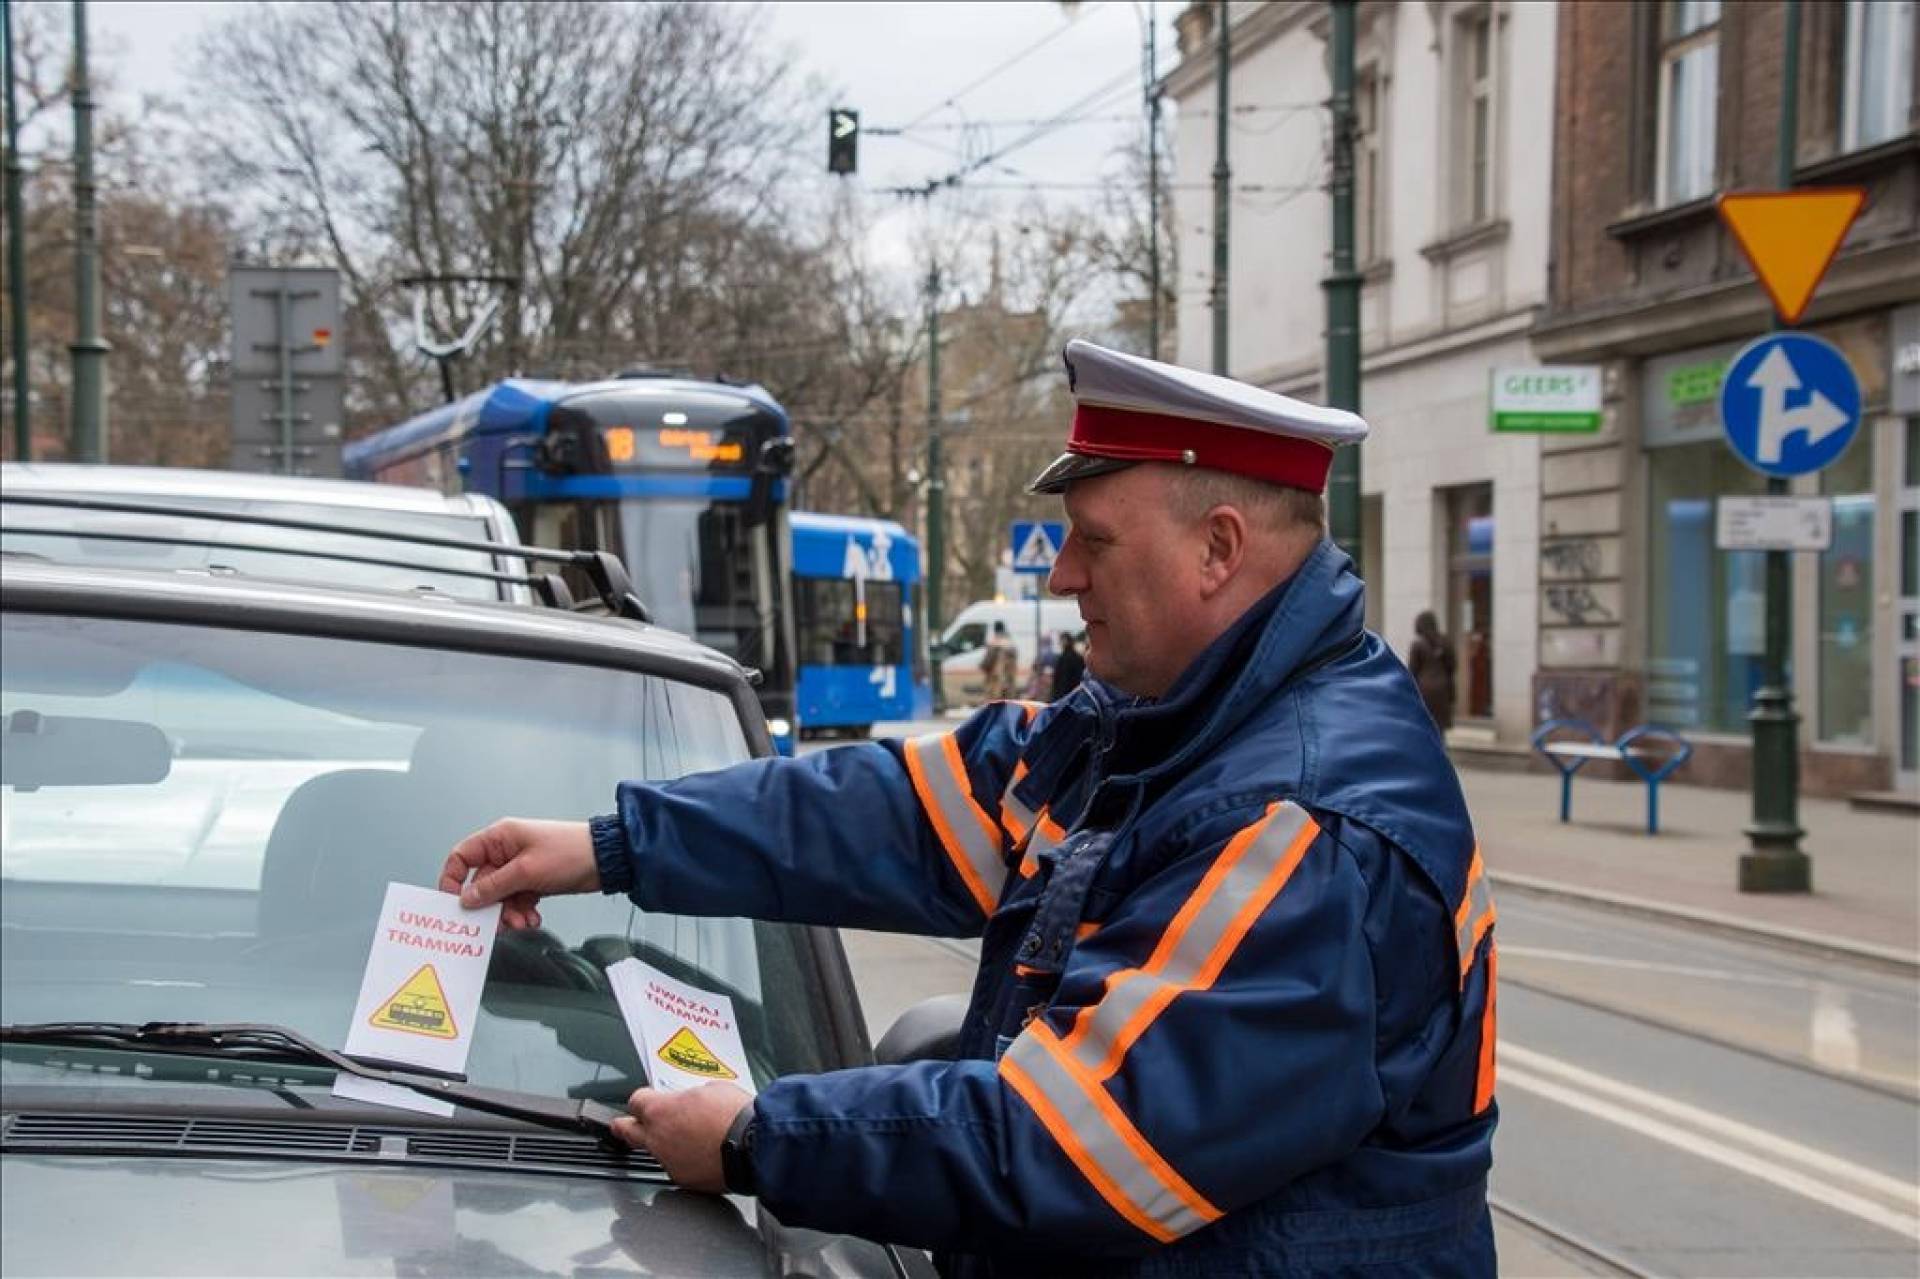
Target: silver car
(77, 534)
(205, 786)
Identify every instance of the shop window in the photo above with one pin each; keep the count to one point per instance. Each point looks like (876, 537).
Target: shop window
(1877, 87)
(1689, 88)
(1846, 600)
(1706, 634)
(1470, 595)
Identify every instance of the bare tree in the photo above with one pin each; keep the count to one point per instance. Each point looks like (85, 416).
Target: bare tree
(163, 257)
(623, 162)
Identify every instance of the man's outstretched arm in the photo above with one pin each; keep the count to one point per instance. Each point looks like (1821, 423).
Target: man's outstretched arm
(897, 835)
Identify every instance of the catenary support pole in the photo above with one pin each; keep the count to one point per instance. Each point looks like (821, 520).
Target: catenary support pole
(1153, 188)
(17, 258)
(1774, 862)
(1222, 181)
(88, 349)
(1342, 287)
(936, 482)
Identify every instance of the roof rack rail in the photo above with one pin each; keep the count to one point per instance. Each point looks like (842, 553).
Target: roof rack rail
(611, 583)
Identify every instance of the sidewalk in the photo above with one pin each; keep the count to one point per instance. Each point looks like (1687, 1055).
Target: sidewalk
(1866, 865)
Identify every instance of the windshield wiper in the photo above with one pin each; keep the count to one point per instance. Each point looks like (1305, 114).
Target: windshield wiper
(267, 1043)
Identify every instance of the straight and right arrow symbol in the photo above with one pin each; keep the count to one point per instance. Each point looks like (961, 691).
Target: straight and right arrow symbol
(1818, 418)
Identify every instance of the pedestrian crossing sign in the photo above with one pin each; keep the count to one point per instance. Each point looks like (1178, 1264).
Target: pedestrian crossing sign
(1036, 545)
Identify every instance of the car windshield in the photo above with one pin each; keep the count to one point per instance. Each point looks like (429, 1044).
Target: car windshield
(44, 531)
(220, 847)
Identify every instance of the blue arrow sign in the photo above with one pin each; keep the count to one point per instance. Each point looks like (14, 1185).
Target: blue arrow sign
(1789, 404)
(1036, 545)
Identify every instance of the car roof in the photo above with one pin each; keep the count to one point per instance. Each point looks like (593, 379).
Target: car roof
(185, 482)
(487, 626)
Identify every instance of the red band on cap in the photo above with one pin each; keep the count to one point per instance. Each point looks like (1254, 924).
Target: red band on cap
(1133, 436)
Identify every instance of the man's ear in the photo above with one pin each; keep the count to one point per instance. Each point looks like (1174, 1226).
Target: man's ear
(1226, 548)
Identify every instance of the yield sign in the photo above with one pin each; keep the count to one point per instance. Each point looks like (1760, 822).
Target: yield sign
(1790, 237)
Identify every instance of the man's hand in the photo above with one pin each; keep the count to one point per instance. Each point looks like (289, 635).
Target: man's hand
(518, 862)
(683, 1130)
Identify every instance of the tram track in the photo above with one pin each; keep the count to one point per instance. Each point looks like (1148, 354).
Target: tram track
(1867, 1083)
(1565, 1241)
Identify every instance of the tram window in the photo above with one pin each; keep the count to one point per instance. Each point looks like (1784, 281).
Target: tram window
(828, 627)
(886, 630)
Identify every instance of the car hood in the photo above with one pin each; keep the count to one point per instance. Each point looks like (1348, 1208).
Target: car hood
(102, 1214)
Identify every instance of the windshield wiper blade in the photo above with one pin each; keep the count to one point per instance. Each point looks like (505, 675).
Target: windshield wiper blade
(263, 1042)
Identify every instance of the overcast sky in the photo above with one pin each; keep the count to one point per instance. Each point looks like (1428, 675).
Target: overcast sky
(966, 77)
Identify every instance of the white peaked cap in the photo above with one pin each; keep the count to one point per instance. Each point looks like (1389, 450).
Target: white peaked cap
(1130, 409)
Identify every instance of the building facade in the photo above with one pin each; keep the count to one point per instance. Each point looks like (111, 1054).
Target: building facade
(1658, 109)
(1452, 157)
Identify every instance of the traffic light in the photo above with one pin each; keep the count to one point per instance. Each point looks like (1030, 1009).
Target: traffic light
(843, 140)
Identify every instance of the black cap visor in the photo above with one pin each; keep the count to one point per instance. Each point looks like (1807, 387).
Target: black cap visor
(1068, 467)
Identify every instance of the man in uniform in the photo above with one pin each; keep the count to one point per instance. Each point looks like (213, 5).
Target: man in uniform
(1235, 1009)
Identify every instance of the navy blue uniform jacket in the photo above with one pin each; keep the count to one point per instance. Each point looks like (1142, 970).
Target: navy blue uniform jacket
(1234, 1012)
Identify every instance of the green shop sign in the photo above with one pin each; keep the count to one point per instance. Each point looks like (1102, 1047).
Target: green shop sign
(1554, 397)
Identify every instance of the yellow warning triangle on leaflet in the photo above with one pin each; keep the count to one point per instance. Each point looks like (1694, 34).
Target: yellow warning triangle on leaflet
(418, 1008)
(1790, 237)
(687, 1052)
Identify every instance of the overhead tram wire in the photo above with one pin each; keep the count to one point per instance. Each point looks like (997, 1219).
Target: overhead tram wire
(1094, 100)
(1130, 117)
(1017, 58)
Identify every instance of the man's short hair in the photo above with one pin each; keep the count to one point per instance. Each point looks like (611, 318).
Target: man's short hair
(1193, 491)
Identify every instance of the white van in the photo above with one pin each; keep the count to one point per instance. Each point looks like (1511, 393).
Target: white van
(963, 645)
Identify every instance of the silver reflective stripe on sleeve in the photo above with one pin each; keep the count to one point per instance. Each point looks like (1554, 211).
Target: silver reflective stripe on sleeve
(1243, 880)
(1475, 915)
(1103, 1144)
(970, 837)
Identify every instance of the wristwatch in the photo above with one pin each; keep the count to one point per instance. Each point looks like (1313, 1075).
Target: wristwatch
(736, 1154)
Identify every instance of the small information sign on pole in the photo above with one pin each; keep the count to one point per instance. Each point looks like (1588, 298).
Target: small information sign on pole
(1773, 524)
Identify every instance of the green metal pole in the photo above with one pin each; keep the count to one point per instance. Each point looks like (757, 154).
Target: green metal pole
(936, 481)
(1222, 190)
(89, 349)
(1774, 862)
(1343, 292)
(17, 258)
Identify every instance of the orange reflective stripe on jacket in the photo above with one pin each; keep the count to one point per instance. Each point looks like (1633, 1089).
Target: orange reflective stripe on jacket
(1101, 1141)
(1471, 922)
(1246, 877)
(1015, 817)
(1047, 835)
(1475, 914)
(970, 837)
(1064, 1080)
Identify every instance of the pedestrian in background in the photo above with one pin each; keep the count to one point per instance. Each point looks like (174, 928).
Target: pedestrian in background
(1040, 674)
(1068, 669)
(1001, 663)
(1431, 660)
(1235, 1006)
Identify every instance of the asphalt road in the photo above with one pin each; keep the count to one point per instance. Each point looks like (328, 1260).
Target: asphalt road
(1672, 1102)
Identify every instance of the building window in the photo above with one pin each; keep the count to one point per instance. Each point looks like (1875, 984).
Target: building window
(1706, 637)
(1368, 170)
(1689, 87)
(1846, 600)
(1474, 121)
(1878, 86)
(1470, 594)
